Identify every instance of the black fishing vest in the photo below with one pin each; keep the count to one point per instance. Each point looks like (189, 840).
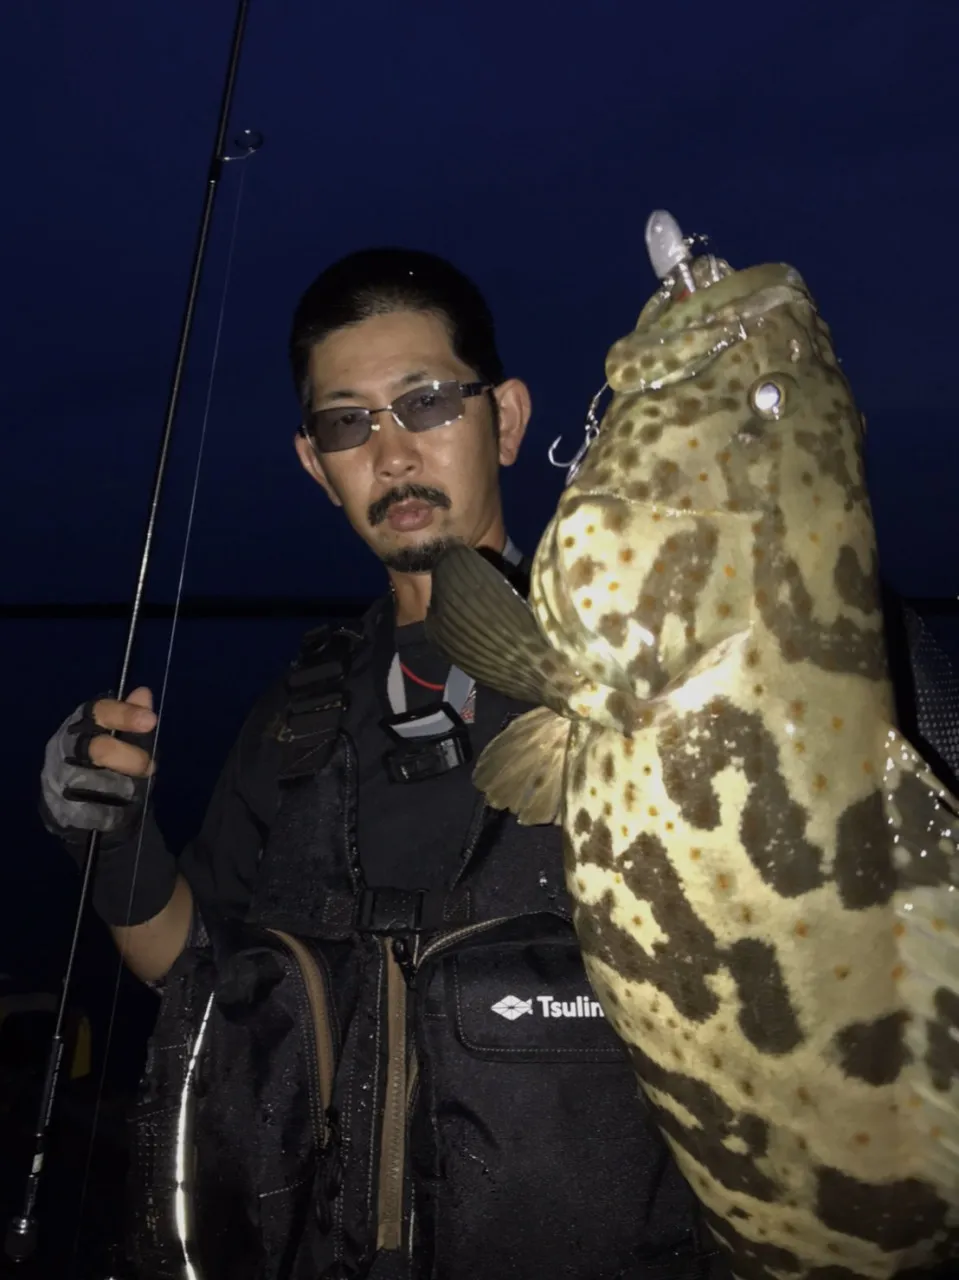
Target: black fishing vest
(418, 1083)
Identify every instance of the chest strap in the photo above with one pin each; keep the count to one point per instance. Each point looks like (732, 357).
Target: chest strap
(317, 700)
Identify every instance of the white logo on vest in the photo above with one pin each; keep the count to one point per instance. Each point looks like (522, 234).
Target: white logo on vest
(511, 1007)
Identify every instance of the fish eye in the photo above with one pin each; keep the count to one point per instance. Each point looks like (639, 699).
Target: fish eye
(769, 398)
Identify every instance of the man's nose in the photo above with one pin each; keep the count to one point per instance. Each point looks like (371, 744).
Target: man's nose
(395, 451)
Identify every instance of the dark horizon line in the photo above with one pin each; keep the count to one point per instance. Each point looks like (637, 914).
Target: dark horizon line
(239, 607)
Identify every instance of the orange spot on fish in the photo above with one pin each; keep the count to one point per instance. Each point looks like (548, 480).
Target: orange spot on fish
(757, 688)
(802, 1093)
(625, 555)
(637, 921)
(819, 782)
(867, 766)
(590, 528)
(723, 610)
(695, 854)
(899, 929)
(938, 924)
(587, 603)
(798, 709)
(614, 586)
(862, 1139)
(569, 542)
(897, 972)
(722, 882)
(746, 913)
(694, 443)
(802, 929)
(841, 971)
(658, 566)
(703, 476)
(837, 722)
(653, 811)
(814, 537)
(669, 826)
(800, 748)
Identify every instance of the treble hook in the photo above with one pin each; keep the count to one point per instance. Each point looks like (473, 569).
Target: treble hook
(592, 431)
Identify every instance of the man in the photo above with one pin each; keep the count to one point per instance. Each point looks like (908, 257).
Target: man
(487, 1124)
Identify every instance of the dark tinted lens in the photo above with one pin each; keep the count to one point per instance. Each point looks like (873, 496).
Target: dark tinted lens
(427, 407)
(334, 429)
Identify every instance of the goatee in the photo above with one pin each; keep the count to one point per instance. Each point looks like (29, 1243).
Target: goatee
(419, 559)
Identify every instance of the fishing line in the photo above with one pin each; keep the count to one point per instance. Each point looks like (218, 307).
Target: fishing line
(22, 1232)
(161, 702)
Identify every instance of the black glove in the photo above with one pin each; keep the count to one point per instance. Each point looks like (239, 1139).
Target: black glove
(78, 797)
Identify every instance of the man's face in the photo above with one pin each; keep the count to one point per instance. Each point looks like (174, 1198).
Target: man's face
(407, 494)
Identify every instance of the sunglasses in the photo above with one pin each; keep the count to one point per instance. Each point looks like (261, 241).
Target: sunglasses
(436, 404)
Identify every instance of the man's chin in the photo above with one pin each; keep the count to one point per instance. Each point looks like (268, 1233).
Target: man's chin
(421, 557)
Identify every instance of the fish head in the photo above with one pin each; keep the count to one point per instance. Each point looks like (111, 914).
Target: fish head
(731, 444)
(709, 389)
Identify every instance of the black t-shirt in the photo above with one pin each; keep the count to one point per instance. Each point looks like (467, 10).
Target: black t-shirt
(409, 835)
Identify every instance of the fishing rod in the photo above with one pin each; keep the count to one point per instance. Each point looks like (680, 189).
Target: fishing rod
(22, 1232)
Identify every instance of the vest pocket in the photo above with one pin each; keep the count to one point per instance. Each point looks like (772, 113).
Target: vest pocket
(528, 1114)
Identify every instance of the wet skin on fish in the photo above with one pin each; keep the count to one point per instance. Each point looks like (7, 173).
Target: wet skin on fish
(764, 872)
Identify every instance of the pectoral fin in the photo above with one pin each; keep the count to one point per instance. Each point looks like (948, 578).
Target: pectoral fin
(522, 769)
(486, 628)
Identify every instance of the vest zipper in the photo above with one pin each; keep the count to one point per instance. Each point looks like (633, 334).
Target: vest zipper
(389, 1212)
(457, 935)
(322, 1041)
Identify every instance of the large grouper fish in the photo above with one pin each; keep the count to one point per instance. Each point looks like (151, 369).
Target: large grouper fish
(763, 870)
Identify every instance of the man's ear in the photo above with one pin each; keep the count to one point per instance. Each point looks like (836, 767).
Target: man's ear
(310, 462)
(515, 407)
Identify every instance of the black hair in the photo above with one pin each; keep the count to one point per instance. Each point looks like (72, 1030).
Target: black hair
(374, 282)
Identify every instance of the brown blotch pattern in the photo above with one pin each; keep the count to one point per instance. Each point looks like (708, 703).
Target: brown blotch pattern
(895, 1215)
(787, 610)
(582, 571)
(717, 1122)
(857, 586)
(671, 586)
(863, 870)
(942, 1051)
(827, 449)
(696, 747)
(874, 1052)
(680, 964)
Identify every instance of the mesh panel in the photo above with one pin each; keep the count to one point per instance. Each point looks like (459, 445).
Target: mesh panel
(937, 693)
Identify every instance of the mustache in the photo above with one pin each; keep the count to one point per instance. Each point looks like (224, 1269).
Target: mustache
(403, 493)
